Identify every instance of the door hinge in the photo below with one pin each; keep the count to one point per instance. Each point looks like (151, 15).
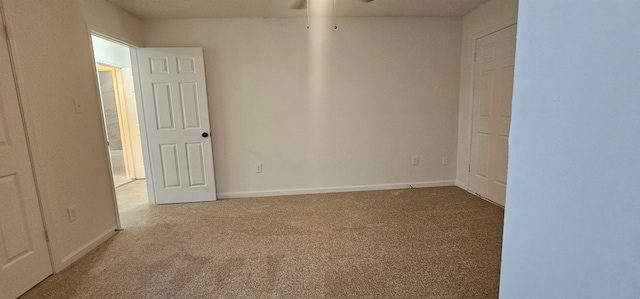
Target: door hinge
(469, 168)
(46, 235)
(474, 56)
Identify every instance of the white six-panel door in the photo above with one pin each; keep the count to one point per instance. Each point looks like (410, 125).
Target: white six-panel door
(177, 122)
(24, 256)
(492, 92)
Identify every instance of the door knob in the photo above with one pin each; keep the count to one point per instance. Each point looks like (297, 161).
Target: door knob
(205, 134)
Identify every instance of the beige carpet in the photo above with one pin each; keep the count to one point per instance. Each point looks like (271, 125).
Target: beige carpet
(412, 243)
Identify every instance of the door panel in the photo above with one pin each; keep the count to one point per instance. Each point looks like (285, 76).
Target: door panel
(163, 106)
(190, 106)
(170, 166)
(507, 91)
(492, 92)
(24, 255)
(485, 96)
(177, 114)
(4, 136)
(14, 221)
(502, 148)
(195, 160)
(482, 152)
(186, 66)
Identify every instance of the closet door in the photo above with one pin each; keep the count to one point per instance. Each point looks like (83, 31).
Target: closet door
(492, 92)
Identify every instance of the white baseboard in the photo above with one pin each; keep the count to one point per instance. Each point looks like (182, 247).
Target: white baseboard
(86, 248)
(334, 189)
(462, 185)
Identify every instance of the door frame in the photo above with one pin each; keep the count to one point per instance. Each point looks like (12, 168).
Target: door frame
(472, 101)
(133, 51)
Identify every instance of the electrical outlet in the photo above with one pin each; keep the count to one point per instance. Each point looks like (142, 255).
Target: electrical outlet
(414, 160)
(73, 213)
(259, 168)
(445, 160)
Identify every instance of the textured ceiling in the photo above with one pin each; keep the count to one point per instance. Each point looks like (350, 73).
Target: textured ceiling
(173, 9)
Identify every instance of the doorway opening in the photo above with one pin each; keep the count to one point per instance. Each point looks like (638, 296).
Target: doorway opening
(120, 115)
(170, 147)
(113, 109)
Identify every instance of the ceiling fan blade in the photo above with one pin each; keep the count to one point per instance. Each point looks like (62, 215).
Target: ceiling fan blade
(298, 4)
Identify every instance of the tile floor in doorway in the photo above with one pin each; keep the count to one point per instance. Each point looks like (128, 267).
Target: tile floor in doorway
(120, 177)
(133, 203)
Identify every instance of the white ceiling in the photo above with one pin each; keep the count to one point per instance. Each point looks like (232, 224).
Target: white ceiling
(173, 9)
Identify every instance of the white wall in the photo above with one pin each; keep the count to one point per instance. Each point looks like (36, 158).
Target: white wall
(112, 21)
(572, 216)
(488, 18)
(386, 90)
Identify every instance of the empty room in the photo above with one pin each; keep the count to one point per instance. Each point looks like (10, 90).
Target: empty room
(319, 149)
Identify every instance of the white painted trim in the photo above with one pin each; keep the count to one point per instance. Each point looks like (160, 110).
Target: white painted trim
(485, 199)
(335, 189)
(462, 185)
(86, 248)
(104, 34)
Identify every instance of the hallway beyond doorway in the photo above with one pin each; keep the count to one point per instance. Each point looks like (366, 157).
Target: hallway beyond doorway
(133, 203)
